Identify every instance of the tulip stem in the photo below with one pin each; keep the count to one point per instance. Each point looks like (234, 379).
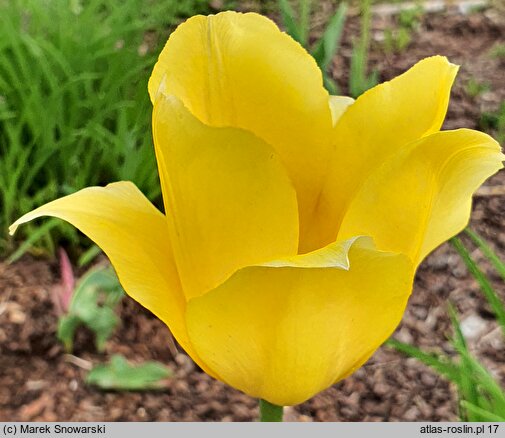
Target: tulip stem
(270, 412)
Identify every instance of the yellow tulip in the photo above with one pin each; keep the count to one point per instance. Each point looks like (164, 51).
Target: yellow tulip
(294, 220)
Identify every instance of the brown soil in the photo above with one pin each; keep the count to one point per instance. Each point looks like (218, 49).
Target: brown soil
(39, 382)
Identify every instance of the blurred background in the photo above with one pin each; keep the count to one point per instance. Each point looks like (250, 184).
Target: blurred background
(74, 112)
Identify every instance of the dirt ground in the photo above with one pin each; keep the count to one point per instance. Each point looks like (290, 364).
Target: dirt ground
(39, 382)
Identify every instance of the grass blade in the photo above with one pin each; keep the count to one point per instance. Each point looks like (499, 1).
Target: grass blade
(39, 233)
(305, 8)
(491, 296)
(359, 80)
(438, 363)
(329, 43)
(289, 20)
(482, 413)
(487, 251)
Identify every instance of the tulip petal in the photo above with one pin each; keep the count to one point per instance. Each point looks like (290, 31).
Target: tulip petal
(239, 70)
(285, 333)
(134, 235)
(422, 196)
(338, 105)
(377, 125)
(231, 201)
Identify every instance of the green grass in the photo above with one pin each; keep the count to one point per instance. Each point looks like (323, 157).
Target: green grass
(74, 109)
(296, 19)
(475, 88)
(481, 397)
(494, 122)
(359, 80)
(488, 252)
(398, 39)
(498, 51)
(484, 283)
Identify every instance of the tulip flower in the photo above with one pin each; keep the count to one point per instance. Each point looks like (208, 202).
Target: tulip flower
(294, 220)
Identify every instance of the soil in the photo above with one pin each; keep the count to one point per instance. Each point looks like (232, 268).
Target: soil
(39, 382)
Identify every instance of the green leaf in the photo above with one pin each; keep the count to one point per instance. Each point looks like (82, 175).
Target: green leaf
(359, 80)
(120, 375)
(439, 363)
(482, 398)
(39, 233)
(482, 413)
(330, 85)
(466, 383)
(289, 20)
(82, 121)
(67, 325)
(485, 286)
(88, 256)
(476, 385)
(92, 305)
(487, 251)
(305, 8)
(329, 43)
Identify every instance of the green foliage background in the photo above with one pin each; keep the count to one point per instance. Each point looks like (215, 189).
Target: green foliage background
(74, 111)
